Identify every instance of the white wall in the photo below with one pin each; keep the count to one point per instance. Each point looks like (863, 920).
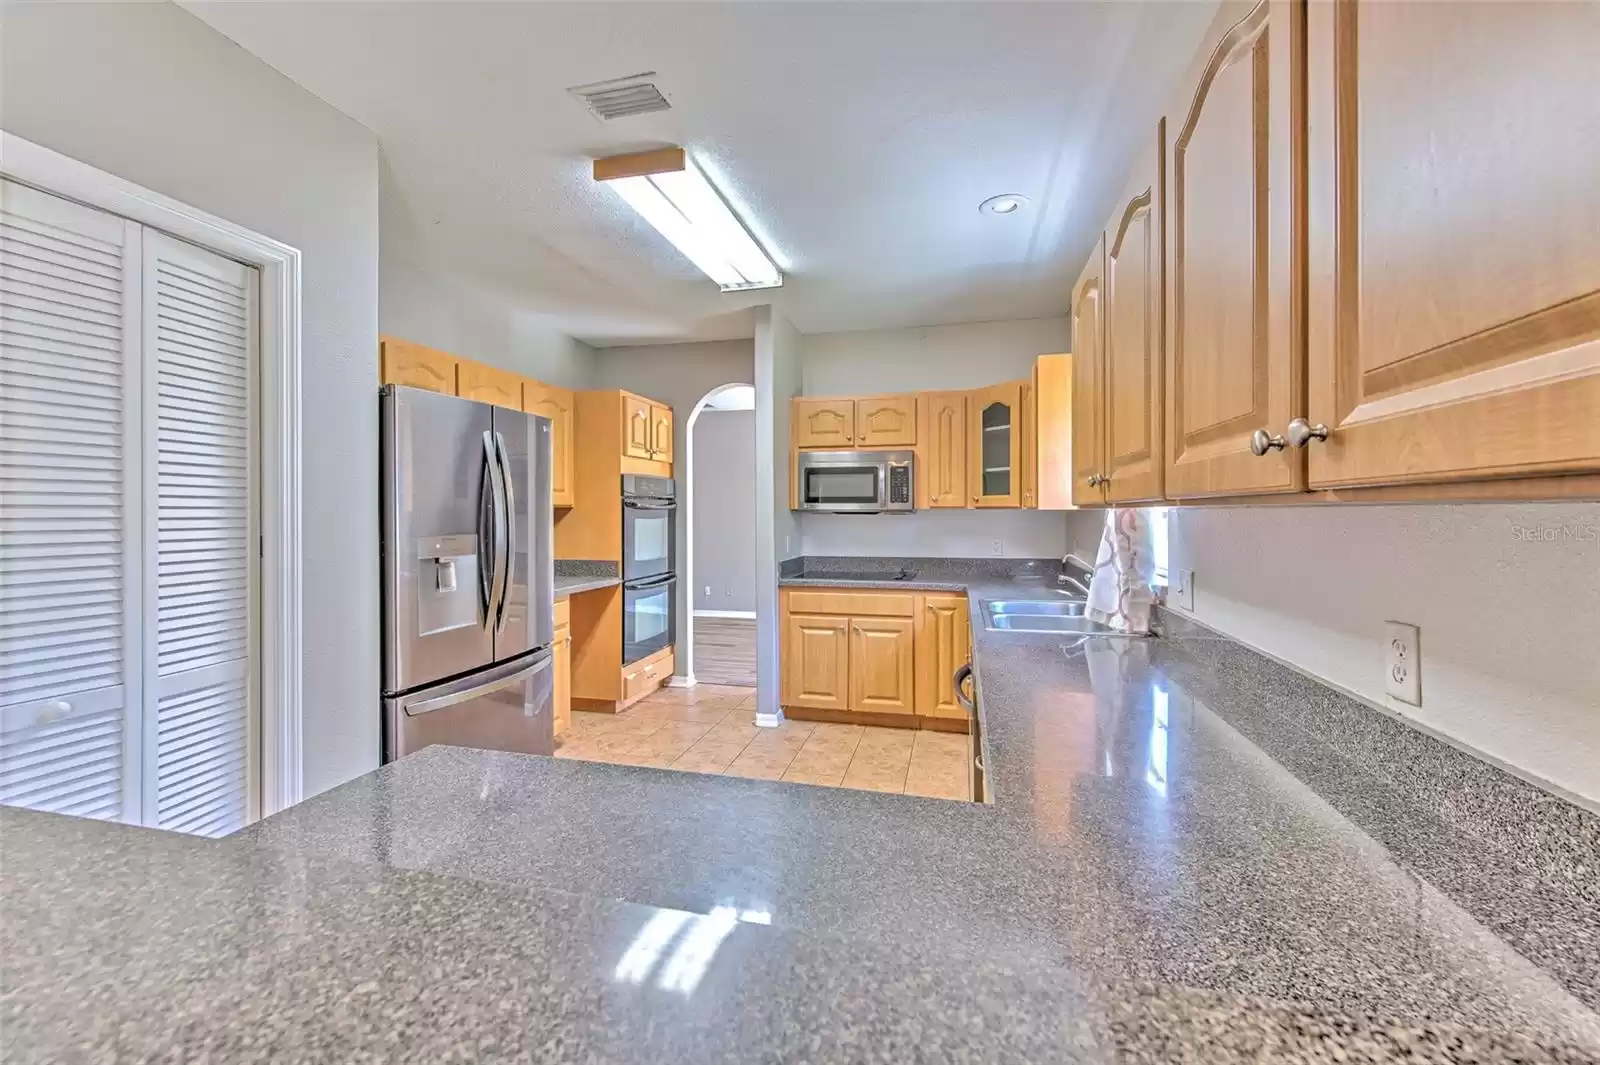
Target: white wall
(724, 480)
(151, 94)
(455, 314)
(678, 375)
(1510, 625)
(932, 358)
(778, 375)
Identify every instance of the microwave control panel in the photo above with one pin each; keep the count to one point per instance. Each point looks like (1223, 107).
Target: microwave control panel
(899, 484)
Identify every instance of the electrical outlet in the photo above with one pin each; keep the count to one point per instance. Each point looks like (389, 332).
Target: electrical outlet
(998, 547)
(1181, 589)
(708, 591)
(1402, 677)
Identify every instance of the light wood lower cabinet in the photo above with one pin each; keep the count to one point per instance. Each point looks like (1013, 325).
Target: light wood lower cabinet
(943, 645)
(562, 698)
(816, 662)
(881, 677)
(872, 656)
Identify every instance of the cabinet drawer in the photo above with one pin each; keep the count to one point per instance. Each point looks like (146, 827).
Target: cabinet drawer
(642, 678)
(851, 603)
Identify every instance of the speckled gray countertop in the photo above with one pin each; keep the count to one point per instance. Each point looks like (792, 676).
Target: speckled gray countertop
(575, 577)
(1193, 854)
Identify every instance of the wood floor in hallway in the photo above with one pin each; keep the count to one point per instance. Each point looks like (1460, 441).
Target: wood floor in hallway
(725, 651)
(712, 729)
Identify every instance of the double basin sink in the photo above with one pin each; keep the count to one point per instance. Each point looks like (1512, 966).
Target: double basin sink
(1040, 615)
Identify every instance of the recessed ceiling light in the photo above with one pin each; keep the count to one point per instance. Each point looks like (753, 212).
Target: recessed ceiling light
(1005, 203)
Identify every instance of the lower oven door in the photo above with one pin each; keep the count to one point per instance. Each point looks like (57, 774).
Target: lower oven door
(507, 707)
(649, 621)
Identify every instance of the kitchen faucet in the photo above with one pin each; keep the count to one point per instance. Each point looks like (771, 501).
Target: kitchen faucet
(1068, 579)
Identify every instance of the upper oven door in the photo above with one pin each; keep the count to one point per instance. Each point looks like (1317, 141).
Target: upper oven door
(841, 480)
(648, 537)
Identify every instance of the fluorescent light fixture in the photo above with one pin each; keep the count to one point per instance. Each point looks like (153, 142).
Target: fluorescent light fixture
(671, 193)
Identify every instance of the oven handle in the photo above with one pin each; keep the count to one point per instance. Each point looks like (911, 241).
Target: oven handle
(632, 504)
(647, 586)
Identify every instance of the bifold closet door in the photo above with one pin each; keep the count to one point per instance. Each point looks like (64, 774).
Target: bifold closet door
(70, 515)
(200, 350)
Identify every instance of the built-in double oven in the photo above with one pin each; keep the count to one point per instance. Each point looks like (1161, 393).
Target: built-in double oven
(649, 546)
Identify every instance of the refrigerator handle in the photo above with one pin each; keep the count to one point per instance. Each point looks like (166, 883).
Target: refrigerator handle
(497, 535)
(509, 503)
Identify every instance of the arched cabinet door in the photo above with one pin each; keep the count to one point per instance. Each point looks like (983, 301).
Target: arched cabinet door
(994, 437)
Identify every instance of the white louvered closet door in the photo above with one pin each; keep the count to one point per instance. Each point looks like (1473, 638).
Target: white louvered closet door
(200, 342)
(70, 523)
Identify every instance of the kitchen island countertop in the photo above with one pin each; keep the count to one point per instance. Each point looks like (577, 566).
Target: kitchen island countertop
(1192, 853)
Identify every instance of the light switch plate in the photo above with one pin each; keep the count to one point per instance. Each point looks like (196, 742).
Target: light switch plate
(1402, 678)
(1181, 589)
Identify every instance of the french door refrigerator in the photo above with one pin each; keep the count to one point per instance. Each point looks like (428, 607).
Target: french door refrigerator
(468, 576)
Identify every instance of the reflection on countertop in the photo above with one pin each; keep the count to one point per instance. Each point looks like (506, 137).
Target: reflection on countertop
(1192, 853)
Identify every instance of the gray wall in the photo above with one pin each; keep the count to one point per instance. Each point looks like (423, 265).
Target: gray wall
(1505, 595)
(777, 379)
(725, 510)
(151, 94)
(678, 375)
(932, 358)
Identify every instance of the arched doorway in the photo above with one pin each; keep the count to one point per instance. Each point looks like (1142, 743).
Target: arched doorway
(736, 399)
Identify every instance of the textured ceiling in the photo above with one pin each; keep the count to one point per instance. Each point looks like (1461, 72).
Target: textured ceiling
(857, 138)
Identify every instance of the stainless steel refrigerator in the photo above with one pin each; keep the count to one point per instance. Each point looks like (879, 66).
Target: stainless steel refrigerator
(468, 576)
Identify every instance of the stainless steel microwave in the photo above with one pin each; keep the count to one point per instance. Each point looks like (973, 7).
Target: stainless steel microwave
(857, 482)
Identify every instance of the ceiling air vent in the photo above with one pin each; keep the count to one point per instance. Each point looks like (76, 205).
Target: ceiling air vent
(635, 94)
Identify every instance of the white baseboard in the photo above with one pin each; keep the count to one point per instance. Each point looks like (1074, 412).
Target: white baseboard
(747, 614)
(678, 680)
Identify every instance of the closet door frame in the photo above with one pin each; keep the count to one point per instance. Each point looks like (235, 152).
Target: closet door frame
(278, 419)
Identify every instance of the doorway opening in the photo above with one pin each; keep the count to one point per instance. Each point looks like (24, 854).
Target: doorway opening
(719, 614)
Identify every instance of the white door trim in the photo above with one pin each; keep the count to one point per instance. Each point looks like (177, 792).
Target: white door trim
(31, 164)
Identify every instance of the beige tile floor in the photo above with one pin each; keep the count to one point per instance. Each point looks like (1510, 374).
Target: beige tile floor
(711, 729)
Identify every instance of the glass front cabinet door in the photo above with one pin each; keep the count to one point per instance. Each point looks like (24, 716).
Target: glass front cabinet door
(994, 445)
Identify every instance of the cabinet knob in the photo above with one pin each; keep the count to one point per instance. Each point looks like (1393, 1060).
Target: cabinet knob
(1098, 479)
(1262, 442)
(1302, 432)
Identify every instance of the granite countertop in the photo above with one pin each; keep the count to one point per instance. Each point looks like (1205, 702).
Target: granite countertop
(1192, 854)
(574, 577)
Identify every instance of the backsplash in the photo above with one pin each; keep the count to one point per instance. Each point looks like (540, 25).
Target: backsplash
(952, 533)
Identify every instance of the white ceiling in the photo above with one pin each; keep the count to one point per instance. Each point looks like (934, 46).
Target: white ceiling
(857, 139)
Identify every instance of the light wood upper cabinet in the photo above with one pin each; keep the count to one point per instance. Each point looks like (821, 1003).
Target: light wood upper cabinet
(816, 662)
(822, 422)
(881, 655)
(943, 645)
(942, 449)
(1088, 381)
(559, 405)
(1134, 458)
(1454, 155)
(994, 435)
(1052, 431)
(400, 362)
(1234, 362)
(886, 421)
(638, 427)
(488, 384)
(661, 432)
(1028, 457)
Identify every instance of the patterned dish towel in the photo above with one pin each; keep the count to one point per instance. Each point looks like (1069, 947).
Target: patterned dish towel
(1120, 594)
